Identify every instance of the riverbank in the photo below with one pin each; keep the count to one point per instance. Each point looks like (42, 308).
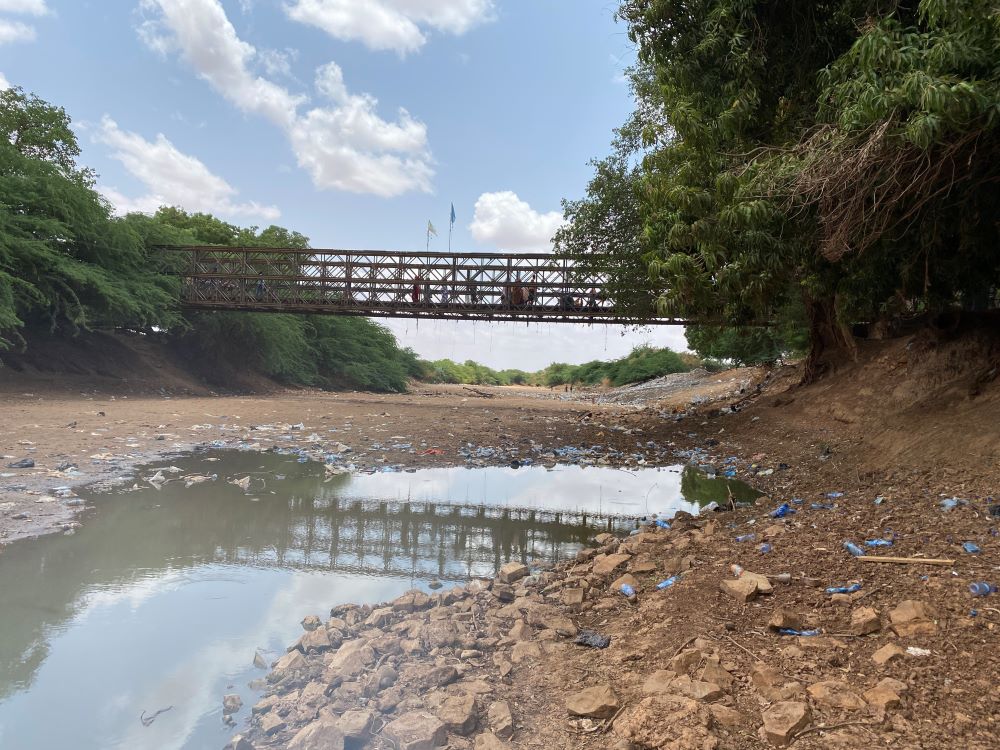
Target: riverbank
(902, 445)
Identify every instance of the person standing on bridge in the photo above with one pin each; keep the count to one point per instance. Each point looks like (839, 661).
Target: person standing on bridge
(415, 294)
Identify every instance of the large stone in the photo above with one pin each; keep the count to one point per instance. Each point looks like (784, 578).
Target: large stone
(772, 685)
(438, 677)
(525, 651)
(356, 724)
(511, 572)
(627, 579)
(412, 601)
(322, 734)
(696, 689)
(659, 682)
(783, 619)
(605, 566)
(912, 618)
(886, 693)
(239, 742)
(725, 716)
(379, 618)
(458, 712)
(501, 720)
(836, 694)
(271, 723)
(311, 622)
(231, 703)
(598, 702)
(783, 721)
(887, 653)
(572, 597)
(315, 641)
(490, 741)
(865, 620)
(290, 662)
(686, 660)
(351, 659)
(742, 589)
(439, 634)
(416, 730)
(713, 671)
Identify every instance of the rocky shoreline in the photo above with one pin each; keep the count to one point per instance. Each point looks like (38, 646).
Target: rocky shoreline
(455, 668)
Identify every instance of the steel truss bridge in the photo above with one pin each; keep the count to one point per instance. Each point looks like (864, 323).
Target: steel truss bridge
(450, 286)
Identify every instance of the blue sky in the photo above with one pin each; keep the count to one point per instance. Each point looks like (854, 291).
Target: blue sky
(352, 121)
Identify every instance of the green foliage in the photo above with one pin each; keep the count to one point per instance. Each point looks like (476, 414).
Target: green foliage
(841, 154)
(642, 363)
(65, 263)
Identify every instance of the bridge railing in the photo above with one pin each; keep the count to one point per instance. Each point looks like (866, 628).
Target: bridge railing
(533, 286)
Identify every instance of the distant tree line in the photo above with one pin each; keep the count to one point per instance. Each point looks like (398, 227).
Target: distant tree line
(641, 364)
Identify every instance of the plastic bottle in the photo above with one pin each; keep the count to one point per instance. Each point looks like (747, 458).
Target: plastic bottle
(854, 549)
(971, 547)
(781, 511)
(662, 524)
(627, 590)
(667, 583)
(982, 588)
(764, 548)
(781, 578)
(746, 538)
(844, 589)
(878, 542)
(736, 570)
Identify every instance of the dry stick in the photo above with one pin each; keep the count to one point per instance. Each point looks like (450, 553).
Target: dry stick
(906, 560)
(752, 654)
(827, 727)
(684, 645)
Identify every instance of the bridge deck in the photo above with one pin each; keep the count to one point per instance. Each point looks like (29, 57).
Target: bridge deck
(460, 286)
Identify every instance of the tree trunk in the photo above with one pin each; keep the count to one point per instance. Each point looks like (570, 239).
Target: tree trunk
(831, 343)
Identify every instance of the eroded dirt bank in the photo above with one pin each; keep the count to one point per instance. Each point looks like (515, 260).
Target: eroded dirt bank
(903, 446)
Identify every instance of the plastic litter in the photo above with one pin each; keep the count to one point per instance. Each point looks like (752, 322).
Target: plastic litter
(592, 639)
(854, 549)
(878, 542)
(746, 538)
(627, 590)
(822, 506)
(951, 503)
(667, 583)
(971, 547)
(781, 511)
(917, 651)
(781, 578)
(844, 589)
(24, 463)
(764, 548)
(801, 633)
(834, 495)
(737, 570)
(982, 588)
(662, 524)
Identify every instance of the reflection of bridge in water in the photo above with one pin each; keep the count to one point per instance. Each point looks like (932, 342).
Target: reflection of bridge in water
(420, 539)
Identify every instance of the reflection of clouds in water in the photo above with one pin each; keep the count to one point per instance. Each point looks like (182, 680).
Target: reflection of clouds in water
(196, 685)
(593, 489)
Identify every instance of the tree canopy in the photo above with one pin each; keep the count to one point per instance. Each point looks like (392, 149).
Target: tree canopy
(840, 155)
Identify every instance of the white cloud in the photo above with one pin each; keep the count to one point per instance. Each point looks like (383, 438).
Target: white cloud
(15, 31)
(28, 7)
(4, 83)
(346, 146)
(509, 223)
(398, 25)
(172, 178)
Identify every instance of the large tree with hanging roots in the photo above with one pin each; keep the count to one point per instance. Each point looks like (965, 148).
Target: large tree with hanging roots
(843, 154)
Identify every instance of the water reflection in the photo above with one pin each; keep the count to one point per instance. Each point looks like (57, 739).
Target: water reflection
(163, 596)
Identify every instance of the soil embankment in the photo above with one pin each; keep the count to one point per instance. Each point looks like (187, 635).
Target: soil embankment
(902, 445)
